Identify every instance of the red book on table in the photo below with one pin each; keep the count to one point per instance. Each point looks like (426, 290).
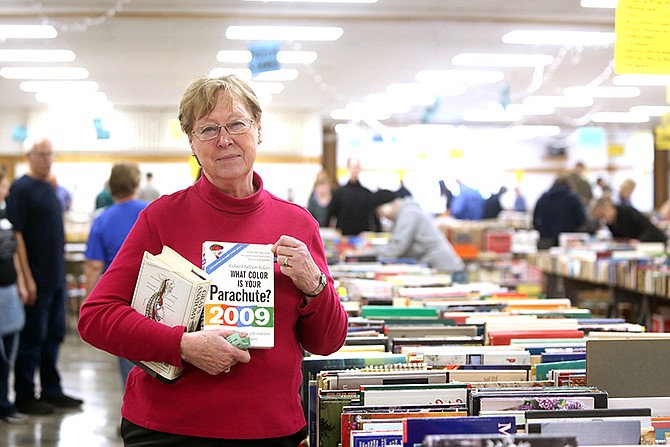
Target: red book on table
(504, 337)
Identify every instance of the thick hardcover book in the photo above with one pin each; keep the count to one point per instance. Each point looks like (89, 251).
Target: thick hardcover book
(518, 440)
(172, 291)
(241, 296)
(504, 337)
(391, 312)
(403, 343)
(449, 356)
(567, 398)
(329, 415)
(352, 379)
(488, 376)
(415, 430)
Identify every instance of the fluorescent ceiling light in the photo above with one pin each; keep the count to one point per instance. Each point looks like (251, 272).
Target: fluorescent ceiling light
(642, 80)
(243, 73)
(293, 33)
(74, 105)
(491, 116)
(43, 73)
(501, 60)
(619, 117)
(650, 110)
(425, 93)
(36, 55)
(574, 38)
(531, 131)
(54, 96)
(440, 89)
(282, 75)
(602, 92)
(436, 128)
(390, 103)
(234, 56)
(357, 111)
(531, 109)
(27, 32)
(41, 86)
(296, 57)
(270, 88)
(559, 101)
(460, 76)
(414, 94)
(315, 1)
(605, 4)
(283, 57)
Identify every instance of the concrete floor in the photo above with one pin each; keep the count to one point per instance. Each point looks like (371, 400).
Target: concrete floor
(89, 374)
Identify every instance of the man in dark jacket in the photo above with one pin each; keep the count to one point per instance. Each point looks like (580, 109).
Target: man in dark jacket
(492, 205)
(624, 221)
(557, 211)
(350, 209)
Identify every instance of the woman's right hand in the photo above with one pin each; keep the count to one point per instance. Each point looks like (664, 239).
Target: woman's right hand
(210, 351)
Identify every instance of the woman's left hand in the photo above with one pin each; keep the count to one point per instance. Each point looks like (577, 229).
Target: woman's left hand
(295, 261)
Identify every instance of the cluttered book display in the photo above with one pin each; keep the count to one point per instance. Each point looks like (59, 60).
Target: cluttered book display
(456, 356)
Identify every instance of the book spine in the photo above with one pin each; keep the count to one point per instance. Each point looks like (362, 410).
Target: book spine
(196, 315)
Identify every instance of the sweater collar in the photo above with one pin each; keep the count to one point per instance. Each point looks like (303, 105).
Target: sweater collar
(224, 202)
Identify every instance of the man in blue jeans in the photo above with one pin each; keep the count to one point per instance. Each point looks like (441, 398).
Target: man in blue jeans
(35, 212)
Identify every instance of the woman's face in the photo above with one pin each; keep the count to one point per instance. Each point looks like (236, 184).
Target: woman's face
(227, 160)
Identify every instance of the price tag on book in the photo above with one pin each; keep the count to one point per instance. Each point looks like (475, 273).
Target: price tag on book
(241, 295)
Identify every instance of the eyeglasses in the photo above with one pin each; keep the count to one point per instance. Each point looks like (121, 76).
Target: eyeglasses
(210, 131)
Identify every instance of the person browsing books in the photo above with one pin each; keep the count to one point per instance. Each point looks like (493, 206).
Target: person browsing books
(225, 396)
(626, 222)
(414, 235)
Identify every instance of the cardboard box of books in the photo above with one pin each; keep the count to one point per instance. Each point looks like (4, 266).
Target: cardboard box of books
(241, 295)
(172, 291)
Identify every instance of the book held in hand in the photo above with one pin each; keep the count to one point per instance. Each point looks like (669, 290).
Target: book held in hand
(241, 296)
(172, 291)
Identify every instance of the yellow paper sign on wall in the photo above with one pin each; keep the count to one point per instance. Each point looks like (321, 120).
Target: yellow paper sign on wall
(615, 150)
(456, 153)
(662, 138)
(642, 37)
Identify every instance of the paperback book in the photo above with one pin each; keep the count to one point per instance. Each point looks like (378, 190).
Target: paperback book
(415, 430)
(172, 291)
(241, 295)
(435, 394)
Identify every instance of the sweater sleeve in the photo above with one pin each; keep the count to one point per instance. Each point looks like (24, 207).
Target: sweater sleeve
(322, 327)
(107, 320)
